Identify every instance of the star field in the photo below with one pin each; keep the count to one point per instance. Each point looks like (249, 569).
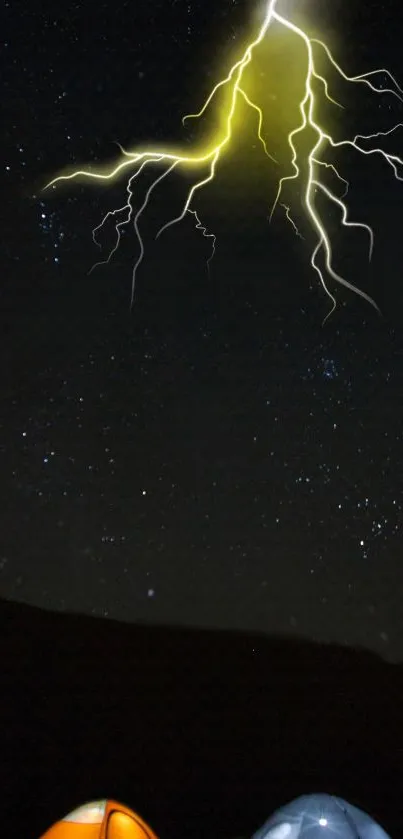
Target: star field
(216, 458)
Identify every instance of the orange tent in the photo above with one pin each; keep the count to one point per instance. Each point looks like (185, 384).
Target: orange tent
(100, 820)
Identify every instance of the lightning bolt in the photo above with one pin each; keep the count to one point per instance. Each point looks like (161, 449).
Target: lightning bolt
(209, 157)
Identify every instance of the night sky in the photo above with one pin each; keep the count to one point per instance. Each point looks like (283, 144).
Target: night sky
(214, 457)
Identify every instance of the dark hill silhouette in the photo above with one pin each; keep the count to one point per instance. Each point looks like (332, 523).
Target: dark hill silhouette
(203, 732)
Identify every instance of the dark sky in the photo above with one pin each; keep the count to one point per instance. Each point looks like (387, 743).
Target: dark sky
(216, 457)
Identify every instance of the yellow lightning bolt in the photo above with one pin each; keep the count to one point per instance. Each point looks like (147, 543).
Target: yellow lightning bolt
(209, 157)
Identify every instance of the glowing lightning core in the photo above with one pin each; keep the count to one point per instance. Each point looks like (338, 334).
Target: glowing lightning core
(312, 160)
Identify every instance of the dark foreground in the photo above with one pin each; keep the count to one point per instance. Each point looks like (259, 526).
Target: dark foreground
(203, 733)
